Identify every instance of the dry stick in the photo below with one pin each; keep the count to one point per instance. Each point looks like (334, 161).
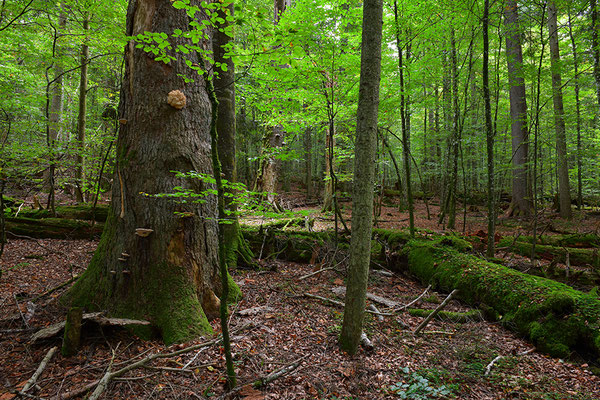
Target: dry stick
(434, 313)
(315, 273)
(341, 304)
(263, 381)
(491, 364)
(39, 370)
(404, 307)
(54, 289)
(373, 308)
(141, 363)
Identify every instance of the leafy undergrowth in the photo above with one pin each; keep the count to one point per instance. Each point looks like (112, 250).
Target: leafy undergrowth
(447, 361)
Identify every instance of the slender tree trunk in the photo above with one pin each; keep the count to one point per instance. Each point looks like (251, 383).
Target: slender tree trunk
(564, 190)
(521, 192)
(364, 175)
(578, 118)
(158, 259)
(224, 84)
(405, 119)
(54, 106)
(308, 162)
(596, 49)
(489, 133)
(81, 119)
(454, 142)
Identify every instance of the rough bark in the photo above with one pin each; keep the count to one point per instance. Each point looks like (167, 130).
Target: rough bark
(81, 118)
(521, 199)
(364, 175)
(170, 276)
(564, 190)
(595, 48)
(488, 131)
(576, 88)
(224, 84)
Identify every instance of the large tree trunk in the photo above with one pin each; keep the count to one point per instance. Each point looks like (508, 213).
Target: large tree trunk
(595, 48)
(564, 190)
(521, 192)
(169, 277)
(576, 88)
(364, 175)
(81, 119)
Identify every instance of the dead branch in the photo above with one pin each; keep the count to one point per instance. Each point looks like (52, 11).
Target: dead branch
(54, 289)
(404, 307)
(340, 304)
(101, 384)
(367, 344)
(315, 273)
(491, 364)
(31, 382)
(434, 313)
(341, 291)
(374, 309)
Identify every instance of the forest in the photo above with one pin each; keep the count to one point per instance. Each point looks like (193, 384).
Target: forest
(334, 199)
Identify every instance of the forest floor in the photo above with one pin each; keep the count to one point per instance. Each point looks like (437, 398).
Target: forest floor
(276, 324)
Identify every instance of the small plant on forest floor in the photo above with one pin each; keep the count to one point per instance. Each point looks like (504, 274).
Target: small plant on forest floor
(417, 386)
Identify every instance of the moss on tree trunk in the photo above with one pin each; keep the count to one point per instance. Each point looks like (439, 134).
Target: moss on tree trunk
(157, 258)
(53, 228)
(576, 256)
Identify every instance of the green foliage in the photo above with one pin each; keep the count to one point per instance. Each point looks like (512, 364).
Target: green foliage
(417, 386)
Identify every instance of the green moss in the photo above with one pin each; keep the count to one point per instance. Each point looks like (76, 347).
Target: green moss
(235, 293)
(55, 228)
(576, 256)
(450, 316)
(456, 242)
(557, 318)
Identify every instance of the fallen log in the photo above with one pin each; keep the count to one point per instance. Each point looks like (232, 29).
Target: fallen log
(580, 257)
(52, 228)
(81, 211)
(555, 317)
(582, 240)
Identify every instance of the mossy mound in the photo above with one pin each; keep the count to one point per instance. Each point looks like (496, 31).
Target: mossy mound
(577, 256)
(448, 316)
(53, 228)
(555, 317)
(575, 240)
(81, 211)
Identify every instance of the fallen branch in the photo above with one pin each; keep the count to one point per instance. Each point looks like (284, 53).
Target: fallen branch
(374, 309)
(341, 304)
(364, 340)
(434, 313)
(404, 307)
(54, 289)
(31, 382)
(109, 376)
(498, 358)
(315, 273)
(263, 381)
(341, 291)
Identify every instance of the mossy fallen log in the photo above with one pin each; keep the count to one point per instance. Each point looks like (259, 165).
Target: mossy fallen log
(81, 211)
(559, 320)
(52, 228)
(448, 316)
(574, 240)
(580, 257)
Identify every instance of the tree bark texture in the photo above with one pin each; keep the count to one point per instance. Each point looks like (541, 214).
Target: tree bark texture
(488, 131)
(596, 48)
(521, 192)
(81, 118)
(170, 276)
(564, 190)
(364, 175)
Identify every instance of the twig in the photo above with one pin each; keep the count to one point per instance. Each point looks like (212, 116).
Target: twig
(315, 273)
(404, 307)
(20, 312)
(374, 309)
(110, 376)
(37, 242)
(54, 289)
(31, 382)
(340, 304)
(434, 313)
(263, 381)
(491, 364)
